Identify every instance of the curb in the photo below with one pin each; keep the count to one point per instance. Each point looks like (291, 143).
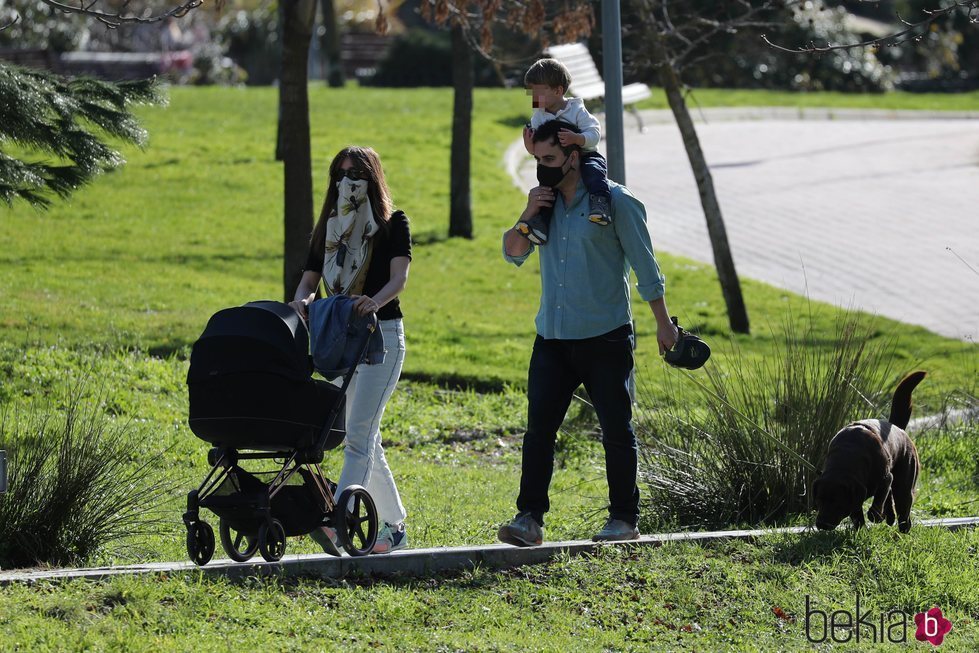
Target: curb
(417, 562)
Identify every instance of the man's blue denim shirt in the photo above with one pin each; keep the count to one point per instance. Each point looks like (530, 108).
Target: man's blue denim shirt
(585, 267)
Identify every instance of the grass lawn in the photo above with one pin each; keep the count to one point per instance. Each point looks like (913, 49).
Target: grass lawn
(108, 291)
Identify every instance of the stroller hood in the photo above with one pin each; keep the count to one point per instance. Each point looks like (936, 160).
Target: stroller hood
(264, 336)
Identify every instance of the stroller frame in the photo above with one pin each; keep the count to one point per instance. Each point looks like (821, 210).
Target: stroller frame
(347, 513)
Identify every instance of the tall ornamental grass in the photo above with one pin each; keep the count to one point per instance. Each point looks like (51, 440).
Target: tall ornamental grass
(751, 455)
(76, 488)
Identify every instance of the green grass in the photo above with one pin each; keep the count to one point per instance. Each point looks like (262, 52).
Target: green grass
(899, 100)
(114, 286)
(731, 596)
(142, 258)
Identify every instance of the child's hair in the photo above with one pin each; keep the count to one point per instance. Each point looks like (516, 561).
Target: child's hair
(549, 72)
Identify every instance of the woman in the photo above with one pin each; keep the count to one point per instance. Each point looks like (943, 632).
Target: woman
(362, 247)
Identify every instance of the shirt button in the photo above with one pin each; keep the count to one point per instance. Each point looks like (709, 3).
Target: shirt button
(562, 260)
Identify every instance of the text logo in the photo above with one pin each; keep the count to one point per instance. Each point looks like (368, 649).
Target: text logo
(932, 626)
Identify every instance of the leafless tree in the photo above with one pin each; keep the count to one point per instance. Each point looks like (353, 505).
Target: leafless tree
(114, 13)
(912, 30)
(472, 26)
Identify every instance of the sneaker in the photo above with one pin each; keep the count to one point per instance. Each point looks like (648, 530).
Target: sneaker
(616, 530)
(522, 531)
(391, 538)
(326, 537)
(598, 210)
(535, 230)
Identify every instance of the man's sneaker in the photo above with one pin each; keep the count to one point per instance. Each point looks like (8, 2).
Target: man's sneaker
(326, 537)
(522, 531)
(616, 530)
(534, 229)
(391, 538)
(598, 209)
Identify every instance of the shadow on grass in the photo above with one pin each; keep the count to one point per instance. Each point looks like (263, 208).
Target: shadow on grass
(428, 237)
(518, 120)
(457, 382)
(813, 545)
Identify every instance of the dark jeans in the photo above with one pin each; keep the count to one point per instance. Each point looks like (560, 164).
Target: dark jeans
(557, 368)
(594, 174)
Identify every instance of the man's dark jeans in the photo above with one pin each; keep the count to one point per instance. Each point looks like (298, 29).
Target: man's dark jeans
(557, 368)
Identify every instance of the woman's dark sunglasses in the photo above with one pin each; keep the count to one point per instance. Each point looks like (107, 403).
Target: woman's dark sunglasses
(356, 174)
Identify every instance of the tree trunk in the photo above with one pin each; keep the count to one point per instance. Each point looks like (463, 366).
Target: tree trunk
(737, 314)
(293, 148)
(330, 44)
(460, 212)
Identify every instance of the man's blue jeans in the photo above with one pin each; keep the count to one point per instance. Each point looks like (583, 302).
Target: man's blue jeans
(557, 368)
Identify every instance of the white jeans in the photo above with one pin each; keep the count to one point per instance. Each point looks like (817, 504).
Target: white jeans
(363, 457)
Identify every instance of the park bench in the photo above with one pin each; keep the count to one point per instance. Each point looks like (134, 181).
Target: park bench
(587, 84)
(360, 53)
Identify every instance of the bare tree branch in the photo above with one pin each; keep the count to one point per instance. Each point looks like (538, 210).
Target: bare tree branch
(897, 38)
(119, 17)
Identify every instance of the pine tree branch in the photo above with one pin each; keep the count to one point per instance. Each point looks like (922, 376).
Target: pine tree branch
(66, 121)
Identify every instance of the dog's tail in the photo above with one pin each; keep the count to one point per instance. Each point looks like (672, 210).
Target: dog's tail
(901, 404)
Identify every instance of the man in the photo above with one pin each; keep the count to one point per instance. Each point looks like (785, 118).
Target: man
(584, 332)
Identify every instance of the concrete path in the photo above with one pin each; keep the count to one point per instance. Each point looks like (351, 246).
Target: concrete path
(877, 210)
(414, 562)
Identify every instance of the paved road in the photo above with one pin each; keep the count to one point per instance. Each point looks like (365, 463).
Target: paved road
(870, 210)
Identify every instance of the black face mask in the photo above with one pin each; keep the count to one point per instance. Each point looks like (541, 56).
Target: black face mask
(548, 176)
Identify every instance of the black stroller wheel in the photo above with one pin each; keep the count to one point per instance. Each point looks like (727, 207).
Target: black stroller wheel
(232, 541)
(272, 541)
(200, 542)
(355, 519)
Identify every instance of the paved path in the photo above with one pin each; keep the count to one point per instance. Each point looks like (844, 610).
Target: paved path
(864, 209)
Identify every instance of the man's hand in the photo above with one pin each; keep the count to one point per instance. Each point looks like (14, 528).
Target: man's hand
(567, 137)
(528, 139)
(538, 198)
(667, 336)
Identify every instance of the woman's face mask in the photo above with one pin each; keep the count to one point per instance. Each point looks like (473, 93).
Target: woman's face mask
(552, 176)
(352, 187)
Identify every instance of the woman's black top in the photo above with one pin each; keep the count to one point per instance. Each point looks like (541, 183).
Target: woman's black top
(390, 241)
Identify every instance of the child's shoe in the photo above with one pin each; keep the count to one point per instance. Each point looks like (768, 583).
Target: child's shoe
(599, 211)
(535, 229)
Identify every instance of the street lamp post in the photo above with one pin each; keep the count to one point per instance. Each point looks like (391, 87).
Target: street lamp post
(612, 64)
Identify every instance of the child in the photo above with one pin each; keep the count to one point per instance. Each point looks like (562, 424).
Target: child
(547, 81)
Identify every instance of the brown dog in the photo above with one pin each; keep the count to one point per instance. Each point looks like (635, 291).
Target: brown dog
(871, 458)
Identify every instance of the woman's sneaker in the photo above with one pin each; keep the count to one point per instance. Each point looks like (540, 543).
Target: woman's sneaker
(391, 538)
(326, 537)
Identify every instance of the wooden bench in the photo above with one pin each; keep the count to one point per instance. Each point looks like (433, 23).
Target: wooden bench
(587, 84)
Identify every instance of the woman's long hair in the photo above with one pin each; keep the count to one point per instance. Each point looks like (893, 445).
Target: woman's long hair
(366, 159)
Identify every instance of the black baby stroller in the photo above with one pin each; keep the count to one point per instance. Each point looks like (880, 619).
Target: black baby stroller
(252, 396)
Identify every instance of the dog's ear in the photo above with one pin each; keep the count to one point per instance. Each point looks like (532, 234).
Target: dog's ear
(858, 492)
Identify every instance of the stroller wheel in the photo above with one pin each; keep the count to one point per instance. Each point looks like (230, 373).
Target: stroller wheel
(272, 541)
(239, 546)
(355, 519)
(200, 542)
